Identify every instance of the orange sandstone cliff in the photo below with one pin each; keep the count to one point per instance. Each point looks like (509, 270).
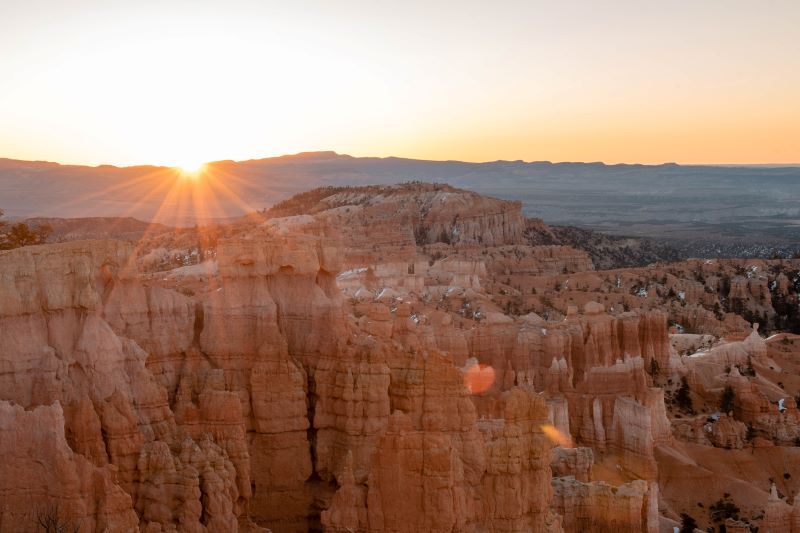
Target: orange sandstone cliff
(393, 360)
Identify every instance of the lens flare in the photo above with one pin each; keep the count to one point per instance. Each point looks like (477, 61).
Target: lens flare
(558, 437)
(479, 378)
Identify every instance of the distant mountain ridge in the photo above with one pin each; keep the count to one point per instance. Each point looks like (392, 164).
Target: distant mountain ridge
(735, 206)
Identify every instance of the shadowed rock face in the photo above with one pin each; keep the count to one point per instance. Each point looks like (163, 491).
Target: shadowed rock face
(338, 369)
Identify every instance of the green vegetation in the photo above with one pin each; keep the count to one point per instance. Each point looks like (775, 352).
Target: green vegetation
(655, 369)
(723, 509)
(688, 524)
(726, 403)
(683, 398)
(20, 234)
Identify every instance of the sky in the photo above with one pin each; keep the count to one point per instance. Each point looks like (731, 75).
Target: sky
(180, 83)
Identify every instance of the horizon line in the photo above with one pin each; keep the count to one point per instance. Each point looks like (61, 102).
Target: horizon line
(335, 153)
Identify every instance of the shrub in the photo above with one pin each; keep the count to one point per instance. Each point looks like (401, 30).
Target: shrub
(683, 397)
(654, 368)
(688, 524)
(723, 509)
(50, 520)
(726, 402)
(21, 234)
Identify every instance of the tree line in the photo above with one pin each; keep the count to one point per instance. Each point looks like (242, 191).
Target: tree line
(20, 234)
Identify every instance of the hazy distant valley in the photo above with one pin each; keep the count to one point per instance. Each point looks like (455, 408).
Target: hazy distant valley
(695, 210)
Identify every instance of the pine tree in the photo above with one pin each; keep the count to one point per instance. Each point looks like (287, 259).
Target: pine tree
(726, 403)
(688, 524)
(683, 398)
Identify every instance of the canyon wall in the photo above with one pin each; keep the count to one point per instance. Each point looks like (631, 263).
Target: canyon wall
(256, 401)
(387, 360)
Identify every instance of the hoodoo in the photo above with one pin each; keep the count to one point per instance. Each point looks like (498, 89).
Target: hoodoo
(391, 359)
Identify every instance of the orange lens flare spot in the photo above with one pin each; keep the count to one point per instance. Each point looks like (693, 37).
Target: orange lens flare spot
(557, 437)
(478, 378)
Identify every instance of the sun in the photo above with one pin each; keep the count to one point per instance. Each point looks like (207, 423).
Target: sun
(191, 167)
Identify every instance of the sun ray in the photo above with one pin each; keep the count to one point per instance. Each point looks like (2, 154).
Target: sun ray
(155, 176)
(228, 192)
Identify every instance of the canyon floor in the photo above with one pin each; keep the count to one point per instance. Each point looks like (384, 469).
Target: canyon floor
(394, 359)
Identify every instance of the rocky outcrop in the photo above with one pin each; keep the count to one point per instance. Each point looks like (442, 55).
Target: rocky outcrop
(778, 515)
(518, 465)
(574, 462)
(40, 477)
(632, 507)
(720, 430)
(62, 300)
(242, 416)
(409, 370)
(434, 213)
(615, 409)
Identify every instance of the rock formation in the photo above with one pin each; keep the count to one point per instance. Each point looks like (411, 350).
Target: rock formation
(387, 360)
(632, 507)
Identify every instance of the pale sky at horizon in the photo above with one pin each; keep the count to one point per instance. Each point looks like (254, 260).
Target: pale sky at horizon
(174, 83)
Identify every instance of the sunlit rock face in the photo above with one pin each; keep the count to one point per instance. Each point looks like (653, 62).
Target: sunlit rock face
(259, 403)
(40, 468)
(632, 507)
(367, 363)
